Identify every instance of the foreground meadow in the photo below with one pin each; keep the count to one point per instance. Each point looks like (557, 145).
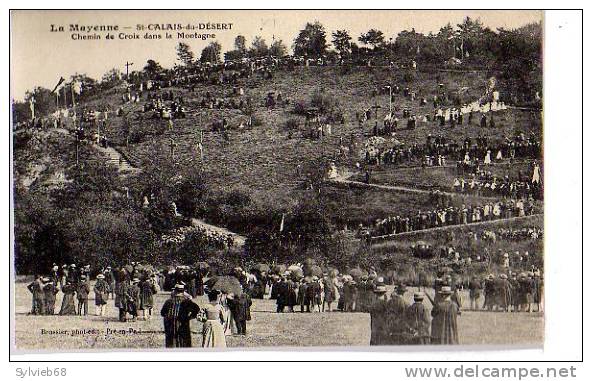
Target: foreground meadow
(266, 329)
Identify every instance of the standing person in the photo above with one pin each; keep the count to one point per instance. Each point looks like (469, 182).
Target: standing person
(82, 291)
(444, 324)
(36, 289)
(475, 290)
(330, 293)
(418, 320)
(302, 290)
(133, 298)
(177, 313)
(240, 307)
(148, 289)
(397, 307)
(68, 307)
(50, 290)
(121, 294)
(213, 332)
(281, 289)
(229, 325)
(537, 290)
(379, 316)
(102, 291)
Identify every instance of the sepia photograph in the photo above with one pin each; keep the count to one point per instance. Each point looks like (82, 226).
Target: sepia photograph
(277, 179)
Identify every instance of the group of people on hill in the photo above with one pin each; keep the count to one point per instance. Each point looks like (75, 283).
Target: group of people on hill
(469, 154)
(491, 186)
(448, 216)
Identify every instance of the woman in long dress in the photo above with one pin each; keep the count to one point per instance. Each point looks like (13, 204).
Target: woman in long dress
(213, 332)
(68, 307)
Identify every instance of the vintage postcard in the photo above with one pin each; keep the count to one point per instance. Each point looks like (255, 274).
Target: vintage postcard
(223, 179)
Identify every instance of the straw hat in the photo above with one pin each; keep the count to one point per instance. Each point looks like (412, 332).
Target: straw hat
(100, 276)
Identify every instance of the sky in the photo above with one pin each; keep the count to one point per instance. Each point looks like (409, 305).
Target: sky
(39, 57)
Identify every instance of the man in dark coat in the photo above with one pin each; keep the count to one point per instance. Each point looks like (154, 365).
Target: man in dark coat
(133, 298)
(121, 295)
(397, 307)
(36, 289)
(102, 290)
(380, 317)
(177, 313)
(418, 321)
(50, 290)
(444, 313)
(282, 294)
(240, 307)
(82, 291)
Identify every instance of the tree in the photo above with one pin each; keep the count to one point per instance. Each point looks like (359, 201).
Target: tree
(211, 53)
(240, 44)
(259, 47)
(342, 42)
(311, 41)
(278, 49)
(373, 37)
(111, 78)
(152, 68)
(184, 54)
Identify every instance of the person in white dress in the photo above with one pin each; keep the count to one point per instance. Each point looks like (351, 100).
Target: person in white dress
(487, 159)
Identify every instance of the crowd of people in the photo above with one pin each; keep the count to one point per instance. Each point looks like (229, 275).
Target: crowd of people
(304, 288)
(448, 216)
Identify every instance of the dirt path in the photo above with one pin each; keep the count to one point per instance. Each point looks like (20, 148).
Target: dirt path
(343, 180)
(450, 227)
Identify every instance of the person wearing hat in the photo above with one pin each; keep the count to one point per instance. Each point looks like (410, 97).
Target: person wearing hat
(82, 291)
(177, 313)
(240, 308)
(504, 293)
(133, 298)
(148, 288)
(475, 290)
(365, 294)
(72, 275)
(68, 307)
(489, 291)
(55, 274)
(301, 297)
(418, 320)
(121, 293)
(50, 290)
(38, 302)
(444, 319)
(397, 303)
(537, 290)
(350, 295)
(397, 306)
(380, 316)
(101, 290)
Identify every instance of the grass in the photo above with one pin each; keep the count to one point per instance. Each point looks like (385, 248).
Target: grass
(266, 329)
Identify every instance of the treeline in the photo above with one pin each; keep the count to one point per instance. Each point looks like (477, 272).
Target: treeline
(515, 56)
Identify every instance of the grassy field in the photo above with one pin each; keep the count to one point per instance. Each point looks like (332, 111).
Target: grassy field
(266, 329)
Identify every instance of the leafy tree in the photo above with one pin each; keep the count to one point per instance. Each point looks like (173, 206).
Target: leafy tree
(278, 49)
(184, 54)
(111, 78)
(373, 37)
(342, 42)
(211, 53)
(311, 41)
(259, 47)
(240, 44)
(152, 68)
